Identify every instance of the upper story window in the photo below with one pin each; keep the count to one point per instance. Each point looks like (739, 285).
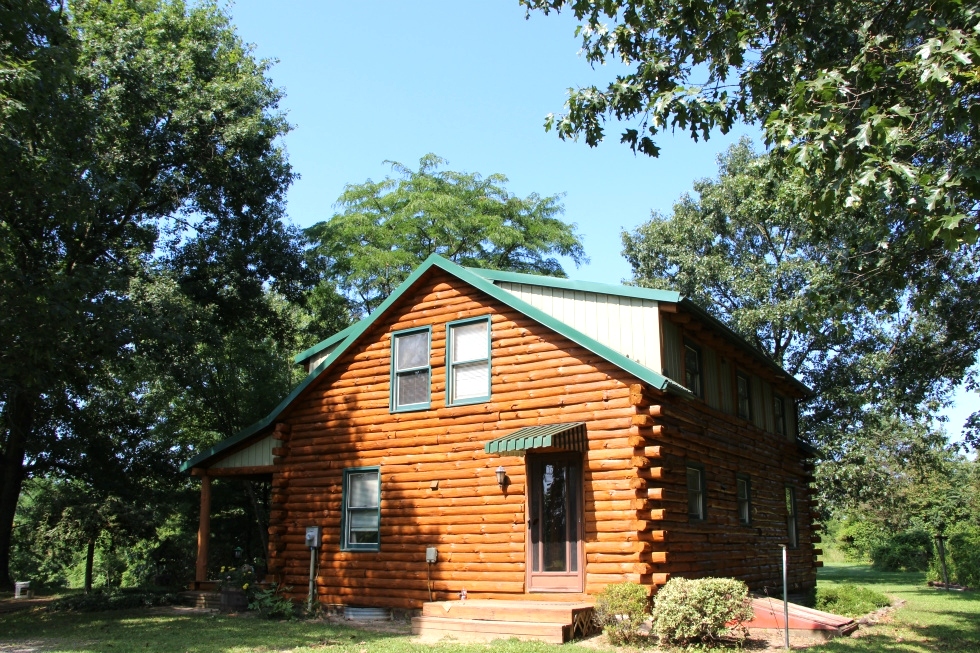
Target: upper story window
(779, 414)
(410, 370)
(693, 379)
(697, 500)
(743, 395)
(362, 509)
(468, 361)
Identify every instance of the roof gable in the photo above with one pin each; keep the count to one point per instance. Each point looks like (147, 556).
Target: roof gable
(482, 280)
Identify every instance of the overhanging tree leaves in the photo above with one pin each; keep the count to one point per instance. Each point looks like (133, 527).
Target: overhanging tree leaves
(389, 227)
(129, 128)
(879, 101)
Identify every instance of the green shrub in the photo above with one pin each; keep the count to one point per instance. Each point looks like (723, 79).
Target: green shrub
(271, 604)
(620, 611)
(849, 600)
(962, 557)
(908, 551)
(700, 610)
(857, 539)
(113, 599)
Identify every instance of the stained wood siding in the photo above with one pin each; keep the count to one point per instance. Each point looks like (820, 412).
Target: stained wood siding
(438, 487)
(628, 325)
(684, 431)
(258, 454)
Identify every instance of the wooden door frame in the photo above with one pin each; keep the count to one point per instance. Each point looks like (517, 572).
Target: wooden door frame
(562, 455)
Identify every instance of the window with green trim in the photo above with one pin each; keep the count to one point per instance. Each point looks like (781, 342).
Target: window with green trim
(743, 486)
(697, 498)
(361, 518)
(743, 392)
(468, 361)
(410, 370)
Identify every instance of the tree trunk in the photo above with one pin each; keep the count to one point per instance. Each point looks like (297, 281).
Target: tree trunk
(89, 564)
(19, 420)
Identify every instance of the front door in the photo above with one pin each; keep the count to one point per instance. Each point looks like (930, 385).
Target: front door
(554, 556)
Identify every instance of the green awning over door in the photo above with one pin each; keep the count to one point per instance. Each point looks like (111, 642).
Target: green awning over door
(564, 436)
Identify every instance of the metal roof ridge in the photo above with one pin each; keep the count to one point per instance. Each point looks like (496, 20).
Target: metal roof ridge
(636, 292)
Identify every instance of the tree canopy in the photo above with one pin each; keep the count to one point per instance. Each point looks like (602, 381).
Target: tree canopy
(388, 228)
(135, 134)
(877, 101)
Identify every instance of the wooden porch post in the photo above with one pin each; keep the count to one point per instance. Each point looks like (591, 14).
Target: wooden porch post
(204, 530)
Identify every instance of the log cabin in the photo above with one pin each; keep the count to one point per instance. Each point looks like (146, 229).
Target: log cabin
(540, 437)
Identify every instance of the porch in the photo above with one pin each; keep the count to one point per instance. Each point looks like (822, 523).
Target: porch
(553, 619)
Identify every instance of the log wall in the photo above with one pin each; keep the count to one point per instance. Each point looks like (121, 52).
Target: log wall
(683, 431)
(438, 487)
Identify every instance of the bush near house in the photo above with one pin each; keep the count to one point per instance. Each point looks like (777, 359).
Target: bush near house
(686, 611)
(620, 611)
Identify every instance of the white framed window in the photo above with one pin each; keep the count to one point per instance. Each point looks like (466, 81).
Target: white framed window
(743, 487)
(743, 394)
(361, 518)
(692, 369)
(410, 370)
(697, 499)
(468, 361)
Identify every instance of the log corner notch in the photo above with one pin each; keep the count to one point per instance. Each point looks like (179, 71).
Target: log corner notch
(204, 528)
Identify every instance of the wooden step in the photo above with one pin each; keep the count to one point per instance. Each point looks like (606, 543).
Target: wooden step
(536, 611)
(477, 630)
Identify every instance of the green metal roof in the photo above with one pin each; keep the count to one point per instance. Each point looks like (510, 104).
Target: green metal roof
(481, 280)
(567, 436)
(323, 344)
(581, 286)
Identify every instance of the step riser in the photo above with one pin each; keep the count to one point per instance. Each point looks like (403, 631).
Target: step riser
(500, 614)
(489, 630)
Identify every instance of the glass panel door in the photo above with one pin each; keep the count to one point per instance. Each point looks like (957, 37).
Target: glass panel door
(555, 523)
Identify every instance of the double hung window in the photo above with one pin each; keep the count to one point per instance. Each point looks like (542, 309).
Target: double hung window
(362, 509)
(697, 500)
(410, 370)
(468, 361)
(743, 392)
(743, 488)
(692, 369)
(779, 414)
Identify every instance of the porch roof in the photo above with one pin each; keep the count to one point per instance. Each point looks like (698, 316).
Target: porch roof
(566, 436)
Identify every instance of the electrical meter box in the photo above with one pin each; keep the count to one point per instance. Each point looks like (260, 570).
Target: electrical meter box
(431, 555)
(313, 537)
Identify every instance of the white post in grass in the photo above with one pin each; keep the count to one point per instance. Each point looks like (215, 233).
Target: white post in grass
(786, 595)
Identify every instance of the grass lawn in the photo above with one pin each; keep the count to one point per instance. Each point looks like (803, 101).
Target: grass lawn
(929, 620)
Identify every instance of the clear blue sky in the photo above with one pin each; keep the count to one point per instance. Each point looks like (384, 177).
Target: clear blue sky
(471, 81)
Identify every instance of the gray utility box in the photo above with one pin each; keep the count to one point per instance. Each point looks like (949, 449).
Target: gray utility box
(313, 537)
(431, 555)
(22, 590)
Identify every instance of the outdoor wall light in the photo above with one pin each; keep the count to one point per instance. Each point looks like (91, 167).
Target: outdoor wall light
(501, 477)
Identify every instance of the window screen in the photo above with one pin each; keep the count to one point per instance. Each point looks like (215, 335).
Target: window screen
(469, 361)
(410, 376)
(362, 509)
(696, 499)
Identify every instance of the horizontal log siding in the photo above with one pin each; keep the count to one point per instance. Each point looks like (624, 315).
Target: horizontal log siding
(344, 421)
(725, 446)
